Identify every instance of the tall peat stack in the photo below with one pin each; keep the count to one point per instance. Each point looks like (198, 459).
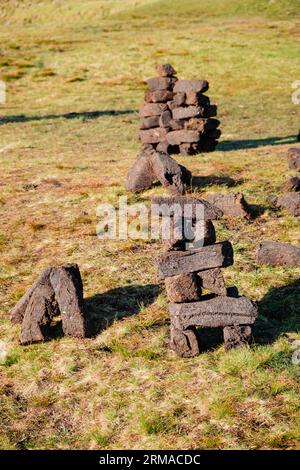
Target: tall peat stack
(176, 116)
(187, 273)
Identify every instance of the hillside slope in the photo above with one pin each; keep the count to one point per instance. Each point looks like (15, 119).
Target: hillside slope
(76, 12)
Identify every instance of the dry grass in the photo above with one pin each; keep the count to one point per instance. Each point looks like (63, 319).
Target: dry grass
(124, 388)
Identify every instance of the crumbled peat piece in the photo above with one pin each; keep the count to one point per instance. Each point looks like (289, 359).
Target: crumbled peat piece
(41, 308)
(152, 109)
(216, 312)
(149, 122)
(166, 206)
(184, 262)
(232, 205)
(158, 96)
(185, 343)
(67, 285)
(182, 288)
(237, 336)
(161, 83)
(213, 280)
(290, 202)
(165, 70)
(179, 137)
(294, 158)
(186, 86)
(18, 312)
(292, 184)
(278, 254)
(140, 176)
(153, 136)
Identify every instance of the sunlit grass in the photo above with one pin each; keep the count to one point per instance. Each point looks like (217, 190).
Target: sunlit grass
(124, 388)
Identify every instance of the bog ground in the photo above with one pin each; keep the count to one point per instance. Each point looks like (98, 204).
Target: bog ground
(68, 133)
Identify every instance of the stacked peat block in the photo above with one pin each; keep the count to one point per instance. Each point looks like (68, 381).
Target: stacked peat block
(187, 271)
(176, 116)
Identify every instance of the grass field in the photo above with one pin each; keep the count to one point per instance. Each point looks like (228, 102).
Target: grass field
(74, 73)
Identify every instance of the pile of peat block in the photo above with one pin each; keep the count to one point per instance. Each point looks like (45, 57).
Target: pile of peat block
(176, 116)
(152, 166)
(57, 291)
(187, 272)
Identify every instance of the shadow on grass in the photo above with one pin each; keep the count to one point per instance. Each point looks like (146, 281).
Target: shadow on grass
(226, 145)
(256, 210)
(278, 313)
(87, 115)
(118, 303)
(201, 182)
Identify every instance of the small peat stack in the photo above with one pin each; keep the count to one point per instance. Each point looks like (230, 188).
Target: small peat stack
(57, 291)
(176, 116)
(187, 272)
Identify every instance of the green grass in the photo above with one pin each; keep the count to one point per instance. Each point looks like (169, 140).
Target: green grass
(125, 388)
(218, 8)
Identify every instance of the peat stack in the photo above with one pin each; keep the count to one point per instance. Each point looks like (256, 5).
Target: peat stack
(187, 273)
(177, 117)
(57, 291)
